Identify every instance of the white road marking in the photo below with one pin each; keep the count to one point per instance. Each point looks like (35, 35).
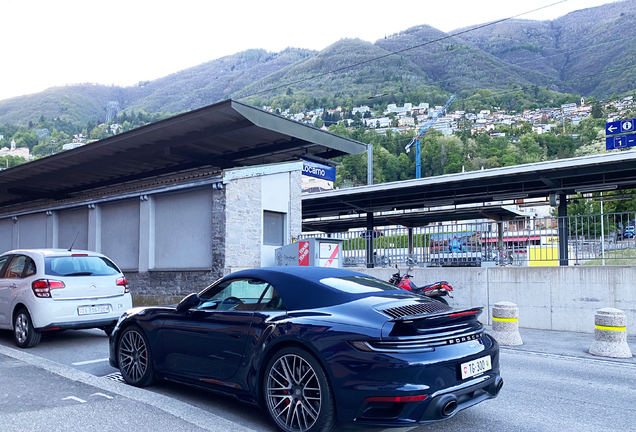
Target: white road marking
(102, 394)
(75, 399)
(89, 362)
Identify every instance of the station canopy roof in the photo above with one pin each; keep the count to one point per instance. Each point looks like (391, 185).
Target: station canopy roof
(415, 218)
(228, 134)
(606, 172)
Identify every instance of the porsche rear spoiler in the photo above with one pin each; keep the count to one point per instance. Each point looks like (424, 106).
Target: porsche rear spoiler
(453, 313)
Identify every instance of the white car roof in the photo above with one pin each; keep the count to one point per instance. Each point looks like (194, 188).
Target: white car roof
(53, 252)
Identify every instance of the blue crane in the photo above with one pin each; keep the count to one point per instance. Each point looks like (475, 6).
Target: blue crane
(416, 140)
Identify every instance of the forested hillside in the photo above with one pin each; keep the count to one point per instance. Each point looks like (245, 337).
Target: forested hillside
(509, 64)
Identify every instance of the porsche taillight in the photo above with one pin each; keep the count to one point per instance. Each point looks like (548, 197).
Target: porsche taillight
(42, 287)
(122, 281)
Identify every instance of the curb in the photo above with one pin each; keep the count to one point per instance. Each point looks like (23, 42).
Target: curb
(184, 411)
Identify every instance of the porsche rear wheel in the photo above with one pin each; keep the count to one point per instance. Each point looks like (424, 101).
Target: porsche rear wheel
(134, 358)
(297, 394)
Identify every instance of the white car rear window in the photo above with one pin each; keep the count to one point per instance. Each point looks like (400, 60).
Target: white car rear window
(80, 266)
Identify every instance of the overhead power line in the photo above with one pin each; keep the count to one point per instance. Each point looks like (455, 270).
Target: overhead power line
(320, 75)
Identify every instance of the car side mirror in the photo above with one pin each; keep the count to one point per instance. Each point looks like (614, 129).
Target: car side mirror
(188, 302)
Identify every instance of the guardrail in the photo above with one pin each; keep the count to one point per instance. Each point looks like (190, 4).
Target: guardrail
(592, 240)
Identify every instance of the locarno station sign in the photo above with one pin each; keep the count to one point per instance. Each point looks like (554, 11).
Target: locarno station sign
(320, 171)
(624, 129)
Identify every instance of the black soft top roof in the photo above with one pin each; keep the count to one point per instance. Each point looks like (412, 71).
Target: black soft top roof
(300, 287)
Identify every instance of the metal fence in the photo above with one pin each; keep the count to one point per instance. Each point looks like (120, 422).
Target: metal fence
(591, 240)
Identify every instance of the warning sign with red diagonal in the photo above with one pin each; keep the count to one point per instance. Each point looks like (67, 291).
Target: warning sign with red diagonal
(334, 255)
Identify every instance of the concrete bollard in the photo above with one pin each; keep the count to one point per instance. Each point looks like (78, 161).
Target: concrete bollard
(505, 324)
(610, 334)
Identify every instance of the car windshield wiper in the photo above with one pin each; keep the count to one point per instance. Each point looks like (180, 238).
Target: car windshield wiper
(79, 274)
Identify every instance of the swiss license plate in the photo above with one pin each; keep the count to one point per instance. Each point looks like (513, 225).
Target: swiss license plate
(91, 310)
(476, 367)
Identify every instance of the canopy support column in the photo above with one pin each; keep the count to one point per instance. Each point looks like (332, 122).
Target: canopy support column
(370, 235)
(563, 230)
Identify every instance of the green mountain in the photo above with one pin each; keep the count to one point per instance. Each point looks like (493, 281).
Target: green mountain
(585, 43)
(575, 54)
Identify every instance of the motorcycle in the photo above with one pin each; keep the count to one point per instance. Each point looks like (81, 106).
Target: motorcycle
(436, 290)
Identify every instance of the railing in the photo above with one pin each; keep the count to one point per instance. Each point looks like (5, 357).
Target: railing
(591, 240)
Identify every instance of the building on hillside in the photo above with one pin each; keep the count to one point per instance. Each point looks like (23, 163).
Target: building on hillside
(73, 145)
(22, 152)
(376, 122)
(312, 184)
(568, 108)
(363, 109)
(444, 127)
(406, 121)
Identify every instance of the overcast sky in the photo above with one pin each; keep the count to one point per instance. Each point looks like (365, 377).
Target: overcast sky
(50, 43)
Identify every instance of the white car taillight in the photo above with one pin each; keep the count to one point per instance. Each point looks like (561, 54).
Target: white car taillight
(42, 287)
(122, 281)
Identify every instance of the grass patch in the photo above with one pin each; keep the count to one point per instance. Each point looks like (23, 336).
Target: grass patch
(386, 242)
(616, 257)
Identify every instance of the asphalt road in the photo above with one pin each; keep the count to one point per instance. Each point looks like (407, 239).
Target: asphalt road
(543, 390)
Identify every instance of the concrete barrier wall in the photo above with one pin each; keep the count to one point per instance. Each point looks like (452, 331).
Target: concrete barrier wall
(550, 298)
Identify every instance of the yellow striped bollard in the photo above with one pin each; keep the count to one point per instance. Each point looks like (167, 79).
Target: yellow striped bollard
(610, 334)
(505, 324)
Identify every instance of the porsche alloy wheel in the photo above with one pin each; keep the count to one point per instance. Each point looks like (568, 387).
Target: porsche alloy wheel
(297, 393)
(134, 358)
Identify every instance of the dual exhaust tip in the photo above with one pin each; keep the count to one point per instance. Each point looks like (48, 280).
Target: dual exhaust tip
(448, 404)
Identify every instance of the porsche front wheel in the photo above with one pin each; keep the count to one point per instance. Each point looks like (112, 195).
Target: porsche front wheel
(297, 393)
(134, 357)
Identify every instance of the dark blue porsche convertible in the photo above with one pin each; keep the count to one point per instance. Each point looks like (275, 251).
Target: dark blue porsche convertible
(315, 347)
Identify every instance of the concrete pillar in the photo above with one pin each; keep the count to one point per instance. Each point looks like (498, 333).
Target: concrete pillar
(505, 324)
(94, 228)
(146, 233)
(15, 235)
(370, 227)
(500, 235)
(610, 334)
(563, 230)
(52, 229)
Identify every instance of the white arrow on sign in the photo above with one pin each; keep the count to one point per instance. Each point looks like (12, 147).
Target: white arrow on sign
(611, 128)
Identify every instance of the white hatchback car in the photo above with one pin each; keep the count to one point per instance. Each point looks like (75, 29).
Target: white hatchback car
(55, 289)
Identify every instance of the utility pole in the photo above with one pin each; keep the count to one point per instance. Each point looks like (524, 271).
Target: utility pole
(369, 164)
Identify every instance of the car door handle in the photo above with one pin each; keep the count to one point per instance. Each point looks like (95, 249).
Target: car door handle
(235, 334)
(13, 286)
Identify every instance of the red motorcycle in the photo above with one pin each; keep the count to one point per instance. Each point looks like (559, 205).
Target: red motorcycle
(436, 290)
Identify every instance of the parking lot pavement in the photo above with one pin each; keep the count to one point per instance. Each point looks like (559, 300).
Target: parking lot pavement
(564, 344)
(41, 395)
(551, 383)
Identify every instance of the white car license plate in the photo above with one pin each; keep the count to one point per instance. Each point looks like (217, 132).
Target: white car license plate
(476, 367)
(91, 310)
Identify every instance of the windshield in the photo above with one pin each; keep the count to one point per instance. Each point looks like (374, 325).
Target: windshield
(79, 266)
(359, 284)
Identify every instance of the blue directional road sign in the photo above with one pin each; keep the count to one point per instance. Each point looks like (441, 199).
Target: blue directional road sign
(613, 128)
(612, 143)
(621, 126)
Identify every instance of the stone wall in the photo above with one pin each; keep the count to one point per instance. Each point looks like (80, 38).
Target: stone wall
(243, 222)
(295, 208)
(169, 283)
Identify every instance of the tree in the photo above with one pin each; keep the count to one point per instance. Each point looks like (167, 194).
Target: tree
(598, 111)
